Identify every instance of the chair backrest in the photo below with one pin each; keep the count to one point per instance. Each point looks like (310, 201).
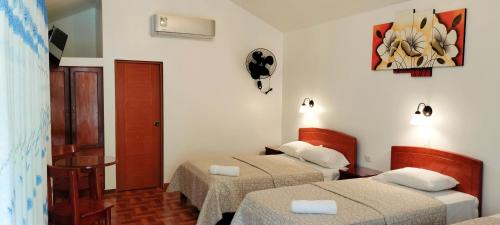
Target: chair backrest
(71, 175)
(63, 151)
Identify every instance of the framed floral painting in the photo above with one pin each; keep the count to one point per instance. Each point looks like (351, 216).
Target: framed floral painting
(419, 41)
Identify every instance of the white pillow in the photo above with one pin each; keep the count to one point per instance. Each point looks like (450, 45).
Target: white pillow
(294, 148)
(417, 178)
(325, 157)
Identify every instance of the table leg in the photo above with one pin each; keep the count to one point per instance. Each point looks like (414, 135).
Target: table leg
(99, 185)
(95, 185)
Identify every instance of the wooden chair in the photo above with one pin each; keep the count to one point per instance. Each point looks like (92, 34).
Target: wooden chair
(61, 156)
(74, 211)
(63, 151)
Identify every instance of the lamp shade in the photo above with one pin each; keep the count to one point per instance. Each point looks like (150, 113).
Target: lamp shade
(421, 118)
(305, 108)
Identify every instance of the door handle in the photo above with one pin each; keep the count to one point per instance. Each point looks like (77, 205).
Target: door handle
(156, 123)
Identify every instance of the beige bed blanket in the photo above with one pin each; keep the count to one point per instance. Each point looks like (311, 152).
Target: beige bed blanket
(359, 202)
(214, 195)
(481, 221)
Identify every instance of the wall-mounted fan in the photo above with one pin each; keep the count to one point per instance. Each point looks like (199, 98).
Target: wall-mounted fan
(261, 64)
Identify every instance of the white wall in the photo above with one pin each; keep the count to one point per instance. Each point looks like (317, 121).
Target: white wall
(98, 28)
(83, 31)
(211, 105)
(331, 63)
(85, 62)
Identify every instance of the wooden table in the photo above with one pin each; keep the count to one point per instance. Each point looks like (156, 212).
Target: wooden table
(358, 172)
(89, 164)
(272, 151)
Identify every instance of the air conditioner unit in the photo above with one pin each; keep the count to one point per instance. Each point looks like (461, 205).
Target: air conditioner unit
(183, 26)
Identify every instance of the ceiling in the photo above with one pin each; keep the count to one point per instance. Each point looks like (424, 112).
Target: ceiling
(285, 15)
(61, 8)
(289, 15)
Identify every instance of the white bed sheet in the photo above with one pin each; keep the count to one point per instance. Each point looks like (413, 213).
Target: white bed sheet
(328, 174)
(496, 216)
(459, 206)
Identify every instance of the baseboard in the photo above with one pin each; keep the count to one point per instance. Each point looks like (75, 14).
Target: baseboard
(112, 191)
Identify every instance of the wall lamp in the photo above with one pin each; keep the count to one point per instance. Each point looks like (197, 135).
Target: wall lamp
(304, 108)
(419, 118)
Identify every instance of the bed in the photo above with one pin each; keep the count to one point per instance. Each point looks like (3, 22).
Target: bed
(370, 202)
(215, 195)
(491, 220)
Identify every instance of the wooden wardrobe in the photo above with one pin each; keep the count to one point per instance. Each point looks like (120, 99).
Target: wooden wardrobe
(76, 98)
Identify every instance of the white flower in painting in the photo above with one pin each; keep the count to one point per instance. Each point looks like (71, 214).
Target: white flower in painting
(444, 42)
(414, 42)
(388, 46)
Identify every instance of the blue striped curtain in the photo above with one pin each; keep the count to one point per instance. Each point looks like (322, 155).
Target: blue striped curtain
(24, 112)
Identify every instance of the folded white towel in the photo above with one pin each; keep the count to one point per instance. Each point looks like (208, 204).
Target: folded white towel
(233, 171)
(314, 206)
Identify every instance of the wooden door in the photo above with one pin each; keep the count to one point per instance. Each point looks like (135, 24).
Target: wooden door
(59, 106)
(87, 107)
(139, 124)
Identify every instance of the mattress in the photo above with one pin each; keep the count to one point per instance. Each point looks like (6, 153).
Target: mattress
(459, 206)
(328, 174)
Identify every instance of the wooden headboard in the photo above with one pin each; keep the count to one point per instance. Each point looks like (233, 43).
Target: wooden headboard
(346, 144)
(466, 170)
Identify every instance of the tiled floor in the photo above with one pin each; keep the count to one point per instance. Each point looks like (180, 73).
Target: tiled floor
(150, 207)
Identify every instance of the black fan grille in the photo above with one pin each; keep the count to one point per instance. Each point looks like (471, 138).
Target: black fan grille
(251, 61)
